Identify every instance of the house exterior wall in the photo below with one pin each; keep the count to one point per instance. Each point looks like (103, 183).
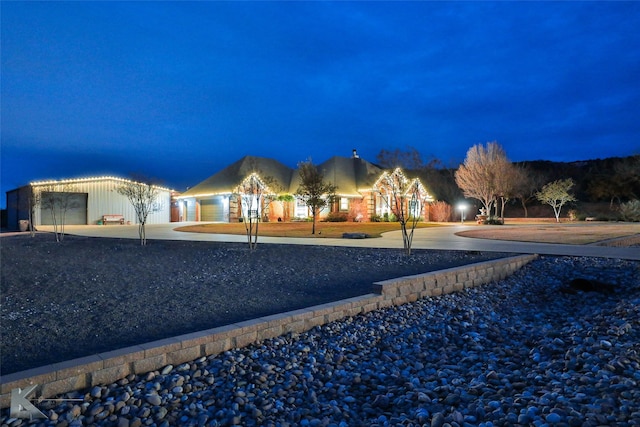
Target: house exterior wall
(102, 199)
(363, 208)
(359, 185)
(17, 206)
(190, 208)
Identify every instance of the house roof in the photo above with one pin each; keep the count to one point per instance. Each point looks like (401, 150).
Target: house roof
(226, 181)
(350, 174)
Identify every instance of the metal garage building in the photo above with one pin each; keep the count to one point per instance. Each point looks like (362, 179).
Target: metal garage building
(86, 201)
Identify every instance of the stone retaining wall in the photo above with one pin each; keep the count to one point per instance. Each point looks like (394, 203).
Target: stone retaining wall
(105, 368)
(625, 241)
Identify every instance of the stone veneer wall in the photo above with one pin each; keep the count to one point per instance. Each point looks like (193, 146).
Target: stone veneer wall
(105, 368)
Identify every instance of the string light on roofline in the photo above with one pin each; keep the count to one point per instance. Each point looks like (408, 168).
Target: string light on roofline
(91, 179)
(200, 195)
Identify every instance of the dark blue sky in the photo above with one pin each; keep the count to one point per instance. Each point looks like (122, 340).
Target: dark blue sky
(177, 91)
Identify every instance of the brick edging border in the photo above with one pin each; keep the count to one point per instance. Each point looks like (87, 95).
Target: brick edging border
(109, 367)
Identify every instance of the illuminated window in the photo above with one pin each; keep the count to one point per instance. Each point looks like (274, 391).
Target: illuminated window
(414, 208)
(344, 204)
(301, 208)
(250, 207)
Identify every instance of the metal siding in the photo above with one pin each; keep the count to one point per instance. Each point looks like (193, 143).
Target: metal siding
(103, 199)
(163, 215)
(190, 207)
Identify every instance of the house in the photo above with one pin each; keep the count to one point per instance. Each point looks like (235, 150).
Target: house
(360, 196)
(216, 198)
(82, 200)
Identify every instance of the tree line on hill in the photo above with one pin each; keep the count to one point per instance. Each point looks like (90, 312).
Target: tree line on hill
(602, 188)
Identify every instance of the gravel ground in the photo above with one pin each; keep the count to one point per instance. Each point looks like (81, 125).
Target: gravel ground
(524, 351)
(83, 296)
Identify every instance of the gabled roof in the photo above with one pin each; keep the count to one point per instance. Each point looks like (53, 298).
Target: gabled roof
(350, 174)
(399, 183)
(226, 181)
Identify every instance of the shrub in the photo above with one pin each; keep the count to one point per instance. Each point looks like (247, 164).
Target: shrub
(630, 211)
(302, 219)
(336, 217)
(441, 211)
(494, 220)
(389, 217)
(581, 216)
(376, 218)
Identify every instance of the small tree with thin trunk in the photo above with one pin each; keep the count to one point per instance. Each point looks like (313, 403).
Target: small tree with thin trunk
(528, 182)
(316, 193)
(405, 198)
(57, 199)
(254, 192)
(35, 200)
(506, 183)
(556, 194)
(144, 199)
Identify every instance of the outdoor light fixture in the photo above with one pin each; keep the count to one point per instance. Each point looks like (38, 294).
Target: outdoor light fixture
(462, 207)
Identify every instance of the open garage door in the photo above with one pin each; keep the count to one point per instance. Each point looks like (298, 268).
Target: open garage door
(212, 209)
(73, 206)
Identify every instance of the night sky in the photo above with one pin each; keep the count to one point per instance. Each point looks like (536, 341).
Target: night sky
(177, 91)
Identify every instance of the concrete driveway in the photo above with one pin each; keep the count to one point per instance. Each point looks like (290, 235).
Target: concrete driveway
(424, 238)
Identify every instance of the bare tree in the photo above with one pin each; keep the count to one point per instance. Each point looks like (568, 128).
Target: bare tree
(255, 194)
(479, 176)
(442, 183)
(506, 184)
(619, 182)
(527, 184)
(34, 200)
(58, 200)
(556, 194)
(405, 198)
(409, 159)
(316, 193)
(606, 186)
(628, 172)
(144, 199)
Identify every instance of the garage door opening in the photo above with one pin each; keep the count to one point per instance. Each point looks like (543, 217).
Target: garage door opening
(212, 209)
(63, 207)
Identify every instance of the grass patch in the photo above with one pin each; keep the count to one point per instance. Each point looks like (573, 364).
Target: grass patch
(303, 229)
